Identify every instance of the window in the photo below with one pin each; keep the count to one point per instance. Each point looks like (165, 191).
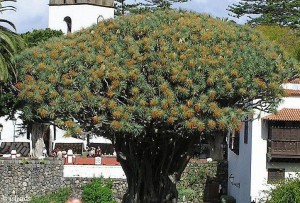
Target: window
(234, 141)
(246, 130)
(68, 20)
(275, 175)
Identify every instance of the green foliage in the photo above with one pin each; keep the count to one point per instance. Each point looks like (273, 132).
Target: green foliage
(288, 38)
(269, 12)
(288, 191)
(98, 191)
(10, 45)
(138, 7)
(153, 83)
(24, 161)
(199, 75)
(187, 194)
(8, 99)
(192, 183)
(195, 178)
(35, 37)
(227, 199)
(57, 197)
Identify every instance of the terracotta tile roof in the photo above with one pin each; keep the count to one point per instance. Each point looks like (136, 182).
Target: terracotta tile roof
(284, 115)
(295, 81)
(290, 93)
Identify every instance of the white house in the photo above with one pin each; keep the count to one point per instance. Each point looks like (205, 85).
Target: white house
(266, 150)
(73, 15)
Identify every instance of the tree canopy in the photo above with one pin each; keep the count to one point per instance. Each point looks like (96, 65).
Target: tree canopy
(35, 37)
(9, 101)
(154, 83)
(269, 12)
(137, 7)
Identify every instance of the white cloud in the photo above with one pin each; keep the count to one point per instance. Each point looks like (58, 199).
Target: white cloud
(30, 14)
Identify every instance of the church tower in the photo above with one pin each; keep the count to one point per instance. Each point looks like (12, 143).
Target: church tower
(72, 15)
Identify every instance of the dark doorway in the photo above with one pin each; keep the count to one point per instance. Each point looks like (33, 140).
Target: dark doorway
(68, 20)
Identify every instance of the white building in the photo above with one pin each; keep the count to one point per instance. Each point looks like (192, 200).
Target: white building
(12, 135)
(266, 150)
(73, 15)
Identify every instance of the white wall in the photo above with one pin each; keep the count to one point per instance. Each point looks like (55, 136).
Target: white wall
(251, 171)
(82, 16)
(89, 171)
(239, 166)
(259, 167)
(259, 151)
(8, 129)
(291, 86)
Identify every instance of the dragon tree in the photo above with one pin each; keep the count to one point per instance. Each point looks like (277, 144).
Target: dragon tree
(153, 84)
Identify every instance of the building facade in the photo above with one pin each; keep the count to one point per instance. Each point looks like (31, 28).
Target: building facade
(266, 150)
(73, 15)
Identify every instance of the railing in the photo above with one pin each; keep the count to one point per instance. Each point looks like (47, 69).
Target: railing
(285, 147)
(284, 142)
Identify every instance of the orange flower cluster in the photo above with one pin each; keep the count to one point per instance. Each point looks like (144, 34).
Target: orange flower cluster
(124, 76)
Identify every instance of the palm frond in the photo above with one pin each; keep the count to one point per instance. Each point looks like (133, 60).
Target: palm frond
(10, 45)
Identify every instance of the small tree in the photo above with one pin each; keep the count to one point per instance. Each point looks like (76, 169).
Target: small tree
(154, 83)
(9, 101)
(36, 125)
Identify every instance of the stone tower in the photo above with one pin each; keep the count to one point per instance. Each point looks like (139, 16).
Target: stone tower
(72, 15)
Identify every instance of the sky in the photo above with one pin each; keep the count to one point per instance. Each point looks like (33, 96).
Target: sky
(33, 14)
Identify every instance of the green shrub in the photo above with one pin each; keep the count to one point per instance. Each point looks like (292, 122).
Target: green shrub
(98, 191)
(286, 192)
(57, 197)
(187, 194)
(227, 199)
(190, 185)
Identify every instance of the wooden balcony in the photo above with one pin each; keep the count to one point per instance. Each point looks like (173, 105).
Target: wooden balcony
(284, 143)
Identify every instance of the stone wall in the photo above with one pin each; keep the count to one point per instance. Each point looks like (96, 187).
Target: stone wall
(30, 177)
(203, 181)
(24, 178)
(119, 186)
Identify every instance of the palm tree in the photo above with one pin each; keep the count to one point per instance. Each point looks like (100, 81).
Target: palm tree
(10, 44)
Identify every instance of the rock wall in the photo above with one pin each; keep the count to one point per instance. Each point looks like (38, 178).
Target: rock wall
(22, 178)
(119, 186)
(30, 177)
(203, 182)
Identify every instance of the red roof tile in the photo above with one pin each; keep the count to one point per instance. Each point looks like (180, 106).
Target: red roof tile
(295, 81)
(284, 115)
(290, 92)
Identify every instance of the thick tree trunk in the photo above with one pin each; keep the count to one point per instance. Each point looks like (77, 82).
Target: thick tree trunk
(153, 166)
(38, 130)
